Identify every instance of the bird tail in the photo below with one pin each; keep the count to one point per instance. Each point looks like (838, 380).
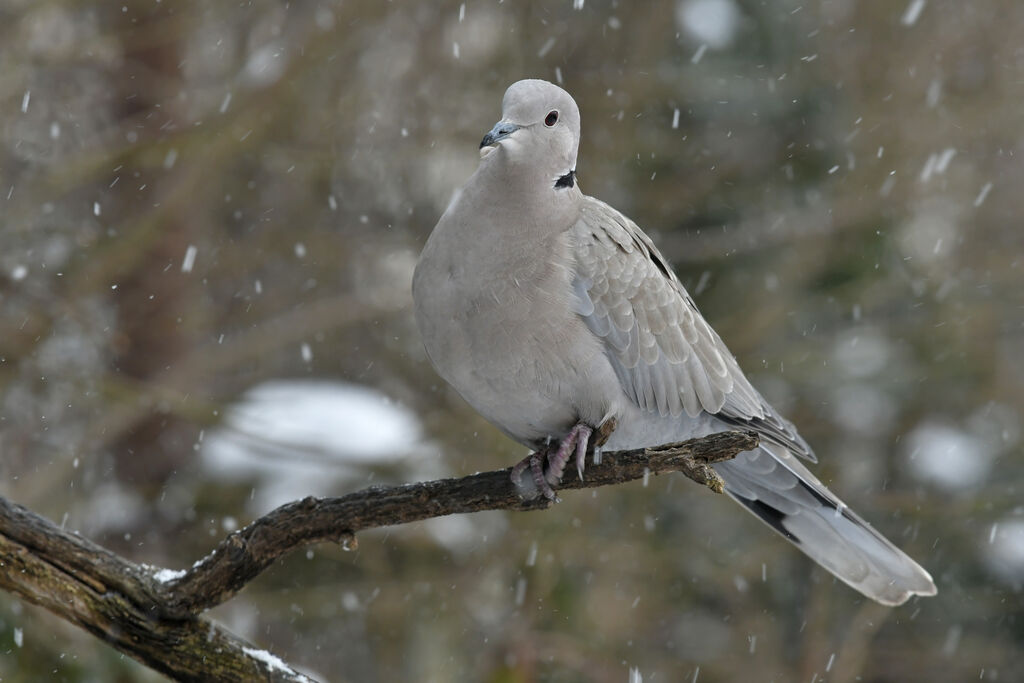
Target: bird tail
(772, 484)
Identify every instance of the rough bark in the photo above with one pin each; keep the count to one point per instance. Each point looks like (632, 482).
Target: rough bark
(157, 621)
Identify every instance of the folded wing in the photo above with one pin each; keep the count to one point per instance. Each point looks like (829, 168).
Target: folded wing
(669, 361)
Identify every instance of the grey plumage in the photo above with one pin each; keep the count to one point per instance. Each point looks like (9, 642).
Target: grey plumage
(546, 308)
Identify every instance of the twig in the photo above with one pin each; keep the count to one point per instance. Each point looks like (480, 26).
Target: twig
(157, 621)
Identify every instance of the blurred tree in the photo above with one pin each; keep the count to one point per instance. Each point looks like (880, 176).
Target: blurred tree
(833, 181)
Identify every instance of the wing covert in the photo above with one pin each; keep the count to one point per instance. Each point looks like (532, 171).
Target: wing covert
(665, 355)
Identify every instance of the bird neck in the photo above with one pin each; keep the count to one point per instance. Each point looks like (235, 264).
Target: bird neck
(535, 195)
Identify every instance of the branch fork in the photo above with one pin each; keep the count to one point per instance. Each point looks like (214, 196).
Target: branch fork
(158, 622)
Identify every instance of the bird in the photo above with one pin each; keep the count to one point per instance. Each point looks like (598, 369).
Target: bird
(552, 314)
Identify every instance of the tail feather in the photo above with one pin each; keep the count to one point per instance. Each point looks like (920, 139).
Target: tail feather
(772, 484)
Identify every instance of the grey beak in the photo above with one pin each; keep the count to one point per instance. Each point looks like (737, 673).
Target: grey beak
(502, 129)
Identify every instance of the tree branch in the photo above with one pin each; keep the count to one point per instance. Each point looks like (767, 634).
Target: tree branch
(112, 598)
(156, 621)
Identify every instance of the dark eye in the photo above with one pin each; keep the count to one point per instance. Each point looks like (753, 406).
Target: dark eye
(551, 119)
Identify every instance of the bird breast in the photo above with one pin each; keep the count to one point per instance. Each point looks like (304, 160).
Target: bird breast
(499, 326)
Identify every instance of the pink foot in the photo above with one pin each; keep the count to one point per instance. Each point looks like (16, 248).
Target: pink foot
(576, 440)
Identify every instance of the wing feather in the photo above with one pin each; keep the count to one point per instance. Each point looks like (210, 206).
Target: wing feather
(669, 361)
(666, 356)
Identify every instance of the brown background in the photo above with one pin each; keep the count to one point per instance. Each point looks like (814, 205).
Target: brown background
(842, 194)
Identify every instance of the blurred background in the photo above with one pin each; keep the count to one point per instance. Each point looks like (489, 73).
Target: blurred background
(209, 217)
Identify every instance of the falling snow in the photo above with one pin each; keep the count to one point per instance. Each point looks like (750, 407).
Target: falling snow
(980, 199)
(190, 259)
(196, 254)
(912, 12)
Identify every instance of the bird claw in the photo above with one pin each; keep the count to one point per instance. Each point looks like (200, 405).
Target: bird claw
(537, 469)
(576, 440)
(581, 450)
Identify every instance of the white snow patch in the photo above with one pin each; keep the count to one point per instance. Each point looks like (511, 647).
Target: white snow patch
(167, 575)
(1005, 554)
(324, 18)
(111, 507)
(462, 534)
(862, 351)
(713, 22)
(265, 65)
(950, 458)
(273, 663)
(301, 437)
(350, 601)
(861, 407)
(935, 221)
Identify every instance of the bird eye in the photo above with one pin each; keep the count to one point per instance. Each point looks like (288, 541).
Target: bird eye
(551, 119)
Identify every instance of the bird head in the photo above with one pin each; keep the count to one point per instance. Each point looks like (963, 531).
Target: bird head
(539, 130)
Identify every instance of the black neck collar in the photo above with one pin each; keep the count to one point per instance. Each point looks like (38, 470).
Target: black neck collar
(568, 180)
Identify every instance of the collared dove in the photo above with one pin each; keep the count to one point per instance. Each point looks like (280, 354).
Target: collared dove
(550, 313)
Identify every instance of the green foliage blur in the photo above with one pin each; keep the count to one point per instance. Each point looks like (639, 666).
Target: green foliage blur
(198, 198)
